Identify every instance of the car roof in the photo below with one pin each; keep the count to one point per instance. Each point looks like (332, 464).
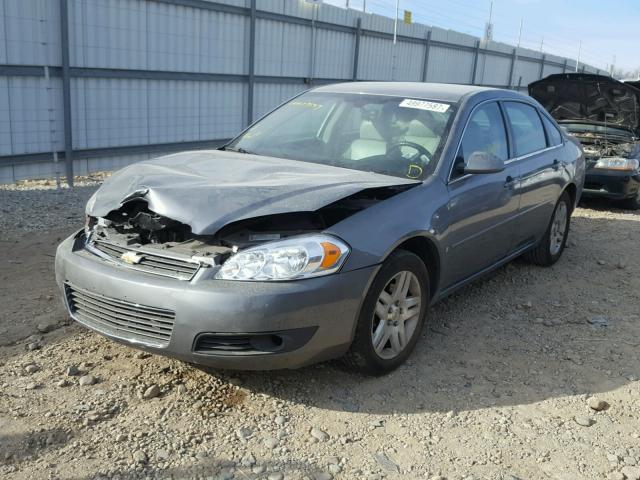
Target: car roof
(446, 92)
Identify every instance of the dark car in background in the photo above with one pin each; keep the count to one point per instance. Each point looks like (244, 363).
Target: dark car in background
(326, 228)
(633, 83)
(604, 114)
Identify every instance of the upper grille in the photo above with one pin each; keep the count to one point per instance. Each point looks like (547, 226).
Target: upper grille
(130, 321)
(149, 262)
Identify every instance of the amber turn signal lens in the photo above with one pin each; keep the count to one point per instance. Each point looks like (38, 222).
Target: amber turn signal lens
(331, 254)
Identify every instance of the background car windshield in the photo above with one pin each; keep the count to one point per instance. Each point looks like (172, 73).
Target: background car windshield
(389, 135)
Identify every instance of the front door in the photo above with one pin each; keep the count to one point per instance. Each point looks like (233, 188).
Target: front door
(483, 208)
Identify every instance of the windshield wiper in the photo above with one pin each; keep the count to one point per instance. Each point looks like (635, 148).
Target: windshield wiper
(237, 150)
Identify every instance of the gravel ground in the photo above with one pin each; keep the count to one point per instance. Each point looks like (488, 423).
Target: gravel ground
(39, 205)
(531, 373)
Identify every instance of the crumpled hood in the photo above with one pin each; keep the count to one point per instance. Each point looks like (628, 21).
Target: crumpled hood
(210, 189)
(589, 98)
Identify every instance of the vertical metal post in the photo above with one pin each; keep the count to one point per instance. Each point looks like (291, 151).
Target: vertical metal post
(252, 63)
(425, 61)
(66, 90)
(356, 49)
(312, 54)
(514, 59)
(564, 67)
(395, 23)
(475, 63)
(542, 60)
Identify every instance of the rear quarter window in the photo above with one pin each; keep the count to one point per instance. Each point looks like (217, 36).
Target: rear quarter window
(554, 137)
(528, 132)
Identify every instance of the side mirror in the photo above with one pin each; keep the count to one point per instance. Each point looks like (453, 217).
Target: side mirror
(483, 162)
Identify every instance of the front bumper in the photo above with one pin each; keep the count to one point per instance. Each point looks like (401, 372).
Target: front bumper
(326, 308)
(612, 184)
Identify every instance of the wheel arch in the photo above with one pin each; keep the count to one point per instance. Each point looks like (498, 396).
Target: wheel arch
(572, 191)
(425, 248)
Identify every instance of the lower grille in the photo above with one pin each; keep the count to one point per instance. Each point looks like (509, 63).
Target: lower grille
(252, 343)
(129, 321)
(224, 344)
(149, 262)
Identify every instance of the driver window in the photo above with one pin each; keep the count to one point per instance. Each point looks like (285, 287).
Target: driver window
(485, 132)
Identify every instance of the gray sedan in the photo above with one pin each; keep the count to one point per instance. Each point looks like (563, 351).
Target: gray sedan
(326, 229)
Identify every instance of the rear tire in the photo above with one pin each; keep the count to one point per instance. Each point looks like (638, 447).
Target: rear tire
(392, 315)
(550, 248)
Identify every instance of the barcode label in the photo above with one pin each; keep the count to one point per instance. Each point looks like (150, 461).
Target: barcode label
(424, 105)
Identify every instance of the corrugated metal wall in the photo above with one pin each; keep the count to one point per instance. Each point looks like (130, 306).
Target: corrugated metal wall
(149, 76)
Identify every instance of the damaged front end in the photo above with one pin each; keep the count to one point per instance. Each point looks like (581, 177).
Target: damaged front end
(134, 236)
(606, 145)
(604, 115)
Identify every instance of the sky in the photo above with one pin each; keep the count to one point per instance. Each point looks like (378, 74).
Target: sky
(605, 27)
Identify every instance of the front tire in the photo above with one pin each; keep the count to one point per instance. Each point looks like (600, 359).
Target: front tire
(392, 315)
(632, 203)
(550, 248)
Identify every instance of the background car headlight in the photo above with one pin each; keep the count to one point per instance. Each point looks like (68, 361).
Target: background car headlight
(617, 163)
(294, 258)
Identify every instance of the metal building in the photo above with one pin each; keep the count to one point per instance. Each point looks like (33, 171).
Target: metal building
(88, 85)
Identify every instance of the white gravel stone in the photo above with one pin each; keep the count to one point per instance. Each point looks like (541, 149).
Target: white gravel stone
(583, 420)
(140, 457)
(320, 435)
(597, 404)
(151, 392)
(87, 380)
(631, 473)
(271, 442)
(32, 368)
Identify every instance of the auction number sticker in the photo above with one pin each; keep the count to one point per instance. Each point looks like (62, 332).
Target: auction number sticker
(424, 105)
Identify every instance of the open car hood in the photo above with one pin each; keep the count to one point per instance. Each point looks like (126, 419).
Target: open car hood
(210, 189)
(589, 98)
(634, 83)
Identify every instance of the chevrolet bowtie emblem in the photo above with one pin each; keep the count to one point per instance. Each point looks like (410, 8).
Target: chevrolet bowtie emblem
(132, 258)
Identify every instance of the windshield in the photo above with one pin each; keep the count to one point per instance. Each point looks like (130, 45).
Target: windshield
(389, 135)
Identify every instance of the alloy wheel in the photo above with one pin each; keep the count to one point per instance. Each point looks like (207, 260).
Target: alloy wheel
(396, 315)
(558, 228)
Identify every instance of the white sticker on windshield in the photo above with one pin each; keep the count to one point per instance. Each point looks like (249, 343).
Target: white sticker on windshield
(424, 105)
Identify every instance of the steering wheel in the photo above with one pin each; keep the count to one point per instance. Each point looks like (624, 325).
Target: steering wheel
(414, 170)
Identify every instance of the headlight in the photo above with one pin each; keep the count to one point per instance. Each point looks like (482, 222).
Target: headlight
(617, 163)
(299, 257)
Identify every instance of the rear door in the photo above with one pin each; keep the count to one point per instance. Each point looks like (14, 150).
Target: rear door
(482, 208)
(538, 153)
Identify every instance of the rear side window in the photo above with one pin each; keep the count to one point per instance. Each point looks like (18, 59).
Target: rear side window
(528, 133)
(553, 135)
(485, 132)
